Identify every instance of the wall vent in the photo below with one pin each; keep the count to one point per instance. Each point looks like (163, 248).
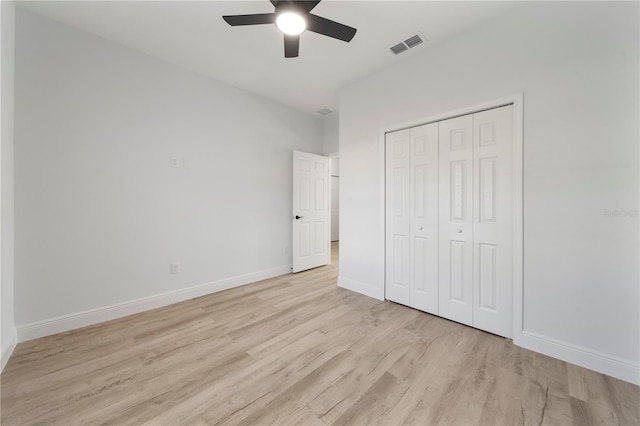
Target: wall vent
(410, 42)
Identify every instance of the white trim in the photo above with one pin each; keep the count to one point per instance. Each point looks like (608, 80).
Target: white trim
(328, 198)
(512, 99)
(517, 100)
(383, 213)
(6, 354)
(106, 313)
(360, 287)
(584, 357)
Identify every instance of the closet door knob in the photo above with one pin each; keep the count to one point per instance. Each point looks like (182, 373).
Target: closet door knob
(419, 228)
(459, 230)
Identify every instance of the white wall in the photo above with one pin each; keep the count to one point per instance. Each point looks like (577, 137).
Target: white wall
(7, 62)
(331, 133)
(100, 214)
(577, 65)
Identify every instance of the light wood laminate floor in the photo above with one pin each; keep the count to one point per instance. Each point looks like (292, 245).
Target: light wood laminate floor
(299, 350)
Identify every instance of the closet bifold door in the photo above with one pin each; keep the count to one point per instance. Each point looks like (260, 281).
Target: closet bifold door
(456, 220)
(398, 222)
(493, 221)
(449, 219)
(412, 217)
(423, 234)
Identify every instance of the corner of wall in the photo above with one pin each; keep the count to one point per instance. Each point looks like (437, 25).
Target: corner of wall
(8, 350)
(8, 333)
(331, 142)
(360, 287)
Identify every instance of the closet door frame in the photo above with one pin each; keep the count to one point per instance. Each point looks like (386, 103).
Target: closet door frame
(517, 100)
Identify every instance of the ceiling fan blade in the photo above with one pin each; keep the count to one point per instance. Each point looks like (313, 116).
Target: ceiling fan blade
(255, 19)
(330, 28)
(291, 46)
(309, 5)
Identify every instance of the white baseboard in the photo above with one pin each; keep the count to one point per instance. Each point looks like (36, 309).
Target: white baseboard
(6, 352)
(360, 287)
(82, 319)
(584, 357)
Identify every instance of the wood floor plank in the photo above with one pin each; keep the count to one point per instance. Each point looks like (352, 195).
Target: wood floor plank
(303, 416)
(373, 361)
(297, 349)
(625, 400)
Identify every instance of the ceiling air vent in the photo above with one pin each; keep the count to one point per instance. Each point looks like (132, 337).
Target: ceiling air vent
(413, 41)
(324, 111)
(398, 48)
(410, 42)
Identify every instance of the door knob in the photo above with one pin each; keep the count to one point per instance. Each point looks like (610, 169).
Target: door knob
(419, 228)
(459, 230)
(299, 217)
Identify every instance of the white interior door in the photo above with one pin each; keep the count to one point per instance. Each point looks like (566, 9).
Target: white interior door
(398, 219)
(311, 229)
(493, 221)
(423, 207)
(456, 221)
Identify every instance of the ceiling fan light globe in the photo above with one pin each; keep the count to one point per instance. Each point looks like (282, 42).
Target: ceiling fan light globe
(291, 23)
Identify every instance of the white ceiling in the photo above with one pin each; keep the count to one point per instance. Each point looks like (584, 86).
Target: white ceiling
(192, 34)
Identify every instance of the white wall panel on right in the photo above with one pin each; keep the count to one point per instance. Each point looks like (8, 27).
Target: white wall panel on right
(577, 64)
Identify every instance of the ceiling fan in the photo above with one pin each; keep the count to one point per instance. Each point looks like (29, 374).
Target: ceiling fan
(293, 18)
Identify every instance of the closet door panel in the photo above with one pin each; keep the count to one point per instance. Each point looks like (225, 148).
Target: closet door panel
(455, 219)
(424, 218)
(398, 217)
(493, 221)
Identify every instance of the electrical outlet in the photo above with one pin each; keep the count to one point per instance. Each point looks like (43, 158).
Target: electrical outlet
(285, 249)
(175, 268)
(175, 162)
